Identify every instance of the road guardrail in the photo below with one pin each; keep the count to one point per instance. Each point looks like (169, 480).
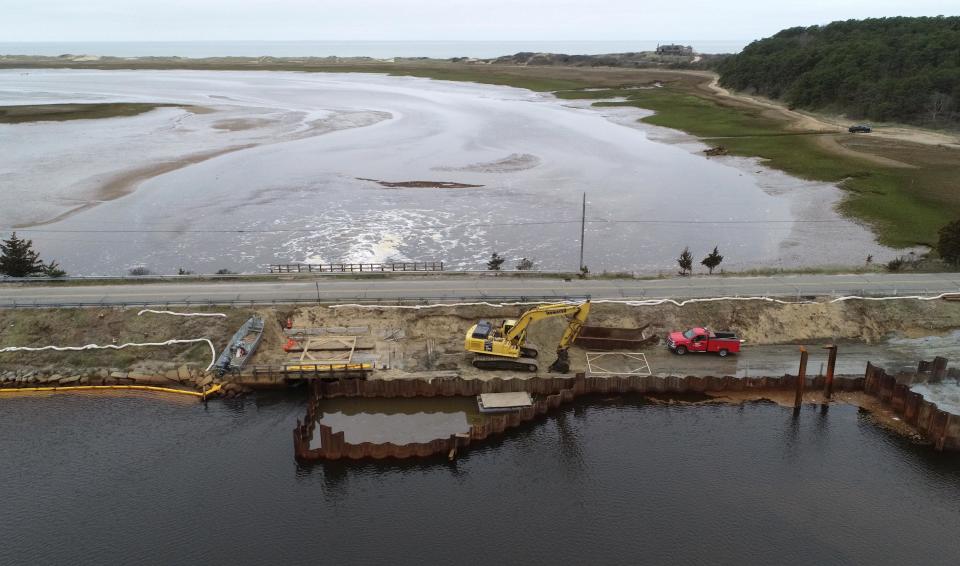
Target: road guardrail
(372, 301)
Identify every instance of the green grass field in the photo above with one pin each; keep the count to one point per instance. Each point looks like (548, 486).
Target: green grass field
(904, 206)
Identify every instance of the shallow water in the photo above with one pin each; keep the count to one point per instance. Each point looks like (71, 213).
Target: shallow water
(945, 394)
(294, 147)
(399, 421)
(93, 480)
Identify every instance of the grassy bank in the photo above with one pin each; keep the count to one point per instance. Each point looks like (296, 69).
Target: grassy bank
(539, 78)
(905, 205)
(62, 112)
(75, 327)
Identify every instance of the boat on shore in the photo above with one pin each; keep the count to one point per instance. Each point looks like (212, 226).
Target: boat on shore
(241, 347)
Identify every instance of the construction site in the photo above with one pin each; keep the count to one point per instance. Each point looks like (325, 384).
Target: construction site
(510, 363)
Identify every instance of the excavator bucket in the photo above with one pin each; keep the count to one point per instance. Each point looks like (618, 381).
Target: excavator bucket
(562, 363)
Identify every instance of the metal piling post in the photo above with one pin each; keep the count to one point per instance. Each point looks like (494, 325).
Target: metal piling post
(831, 365)
(801, 378)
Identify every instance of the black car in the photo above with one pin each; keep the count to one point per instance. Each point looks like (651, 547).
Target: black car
(860, 129)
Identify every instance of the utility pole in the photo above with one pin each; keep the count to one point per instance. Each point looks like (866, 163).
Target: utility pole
(583, 229)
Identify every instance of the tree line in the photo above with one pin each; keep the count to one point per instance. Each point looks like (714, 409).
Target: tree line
(18, 258)
(711, 262)
(883, 69)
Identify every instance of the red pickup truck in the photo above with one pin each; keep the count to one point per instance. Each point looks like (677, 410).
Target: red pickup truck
(703, 340)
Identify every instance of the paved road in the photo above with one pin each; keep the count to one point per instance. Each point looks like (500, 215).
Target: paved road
(436, 288)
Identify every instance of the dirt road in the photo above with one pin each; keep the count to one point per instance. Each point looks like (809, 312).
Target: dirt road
(802, 121)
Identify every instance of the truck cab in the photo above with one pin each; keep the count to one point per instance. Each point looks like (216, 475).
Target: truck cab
(703, 340)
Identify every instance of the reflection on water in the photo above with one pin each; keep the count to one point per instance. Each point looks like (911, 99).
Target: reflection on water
(398, 420)
(91, 480)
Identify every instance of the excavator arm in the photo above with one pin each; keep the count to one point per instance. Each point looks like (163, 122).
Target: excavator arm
(577, 321)
(576, 313)
(576, 316)
(575, 325)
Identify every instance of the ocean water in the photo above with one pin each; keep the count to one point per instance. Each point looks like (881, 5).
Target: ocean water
(376, 49)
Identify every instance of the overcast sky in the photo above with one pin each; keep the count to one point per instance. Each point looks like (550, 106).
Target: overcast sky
(176, 20)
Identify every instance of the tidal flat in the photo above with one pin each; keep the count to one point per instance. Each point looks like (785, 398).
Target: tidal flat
(244, 169)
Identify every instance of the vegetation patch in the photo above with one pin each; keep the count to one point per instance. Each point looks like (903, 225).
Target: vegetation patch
(905, 206)
(62, 112)
(77, 327)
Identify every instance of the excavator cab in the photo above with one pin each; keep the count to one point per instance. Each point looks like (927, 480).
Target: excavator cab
(481, 330)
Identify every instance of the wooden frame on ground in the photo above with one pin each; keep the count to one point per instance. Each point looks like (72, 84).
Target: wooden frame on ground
(601, 364)
(329, 350)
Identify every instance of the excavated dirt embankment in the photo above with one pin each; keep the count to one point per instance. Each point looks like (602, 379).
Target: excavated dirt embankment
(432, 338)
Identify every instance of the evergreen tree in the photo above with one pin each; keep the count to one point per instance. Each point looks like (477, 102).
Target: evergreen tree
(52, 269)
(139, 270)
(713, 260)
(686, 261)
(949, 244)
(524, 265)
(18, 258)
(495, 262)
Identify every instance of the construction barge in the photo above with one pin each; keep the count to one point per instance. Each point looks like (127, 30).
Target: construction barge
(488, 403)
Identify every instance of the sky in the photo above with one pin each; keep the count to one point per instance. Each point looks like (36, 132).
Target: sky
(394, 20)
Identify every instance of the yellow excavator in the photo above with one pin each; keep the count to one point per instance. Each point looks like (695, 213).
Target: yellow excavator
(505, 346)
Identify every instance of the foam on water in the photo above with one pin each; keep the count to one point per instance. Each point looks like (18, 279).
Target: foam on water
(946, 395)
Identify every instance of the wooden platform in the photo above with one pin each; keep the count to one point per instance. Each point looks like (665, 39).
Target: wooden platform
(503, 402)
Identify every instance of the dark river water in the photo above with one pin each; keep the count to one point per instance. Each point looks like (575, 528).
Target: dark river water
(135, 480)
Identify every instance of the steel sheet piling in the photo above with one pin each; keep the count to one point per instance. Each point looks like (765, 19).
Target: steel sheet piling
(936, 426)
(939, 368)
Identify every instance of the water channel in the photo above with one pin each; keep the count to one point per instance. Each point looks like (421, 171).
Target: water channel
(129, 479)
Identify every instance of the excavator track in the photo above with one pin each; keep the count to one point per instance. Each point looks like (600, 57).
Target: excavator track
(481, 361)
(530, 350)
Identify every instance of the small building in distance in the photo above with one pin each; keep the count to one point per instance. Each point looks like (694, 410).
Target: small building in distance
(674, 49)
